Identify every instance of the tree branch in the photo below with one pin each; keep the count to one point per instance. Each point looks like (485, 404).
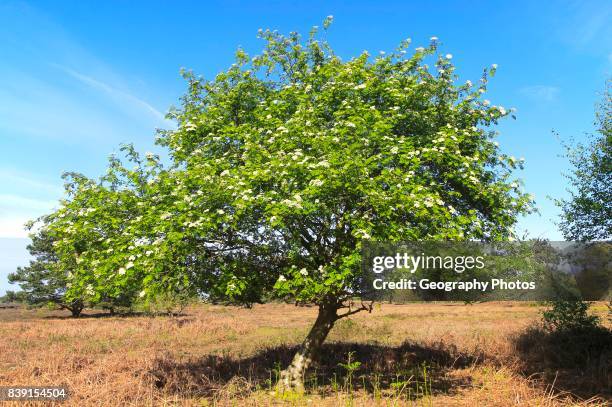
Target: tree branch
(362, 307)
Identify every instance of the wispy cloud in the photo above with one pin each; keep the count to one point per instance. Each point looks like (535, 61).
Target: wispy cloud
(540, 93)
(13, 253)
(14, 227)
(20, 180)
(91, 103)
(16, 210)
(22, 203)
(591, 24)
(113, 92)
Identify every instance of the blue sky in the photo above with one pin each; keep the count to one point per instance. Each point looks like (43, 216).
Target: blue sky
(79, 78)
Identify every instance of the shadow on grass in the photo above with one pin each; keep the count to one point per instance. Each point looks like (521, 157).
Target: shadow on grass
(105, 314)
(410, 370)
(576, 361)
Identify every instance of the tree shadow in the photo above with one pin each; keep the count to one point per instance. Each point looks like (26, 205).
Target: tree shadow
(410, 369)
(576, 361)
(125, 314)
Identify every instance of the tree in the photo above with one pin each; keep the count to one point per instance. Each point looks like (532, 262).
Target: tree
(284, 164)
(42, 282)
(93, 232)
(12, 296)
(587, 214)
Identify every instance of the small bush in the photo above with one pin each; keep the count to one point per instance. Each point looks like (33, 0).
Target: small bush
(168, 303)
(567, 315)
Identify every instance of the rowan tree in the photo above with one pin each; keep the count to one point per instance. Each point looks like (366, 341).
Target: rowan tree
(285, 163)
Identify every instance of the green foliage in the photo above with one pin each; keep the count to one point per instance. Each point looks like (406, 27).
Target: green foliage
(587, 214)
(350, 367)
(95, 233)
(568, 315)
(45, 281)
(281, 166)
(169, 303)
(13, 297)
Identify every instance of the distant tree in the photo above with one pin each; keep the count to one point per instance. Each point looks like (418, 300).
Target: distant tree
(42, 281)
(587, 213)
(13, 297)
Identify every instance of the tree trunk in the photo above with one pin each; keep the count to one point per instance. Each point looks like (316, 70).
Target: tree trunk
(292, 378)
(75, 308)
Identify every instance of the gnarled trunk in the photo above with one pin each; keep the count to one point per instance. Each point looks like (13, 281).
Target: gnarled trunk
(75, 308)
(292, 378)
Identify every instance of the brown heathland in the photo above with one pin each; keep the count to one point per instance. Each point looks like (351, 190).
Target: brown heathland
(417, 354)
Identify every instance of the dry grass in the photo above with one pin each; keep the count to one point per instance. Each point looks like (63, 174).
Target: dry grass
(417, 354)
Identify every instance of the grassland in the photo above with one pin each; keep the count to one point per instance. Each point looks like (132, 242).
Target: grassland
(440, 354)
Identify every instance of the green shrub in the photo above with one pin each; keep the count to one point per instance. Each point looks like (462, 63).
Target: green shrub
(569, 315)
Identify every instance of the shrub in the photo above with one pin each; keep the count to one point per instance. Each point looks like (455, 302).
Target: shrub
(569, 315)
